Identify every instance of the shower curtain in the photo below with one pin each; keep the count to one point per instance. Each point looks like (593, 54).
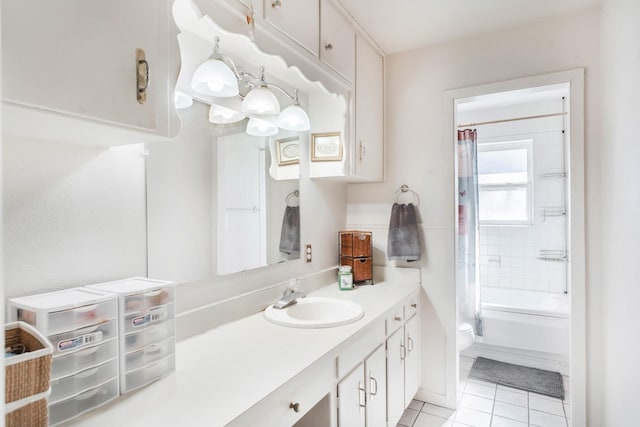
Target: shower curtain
(467, 266)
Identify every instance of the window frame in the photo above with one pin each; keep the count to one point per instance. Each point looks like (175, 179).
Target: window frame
(527, 145)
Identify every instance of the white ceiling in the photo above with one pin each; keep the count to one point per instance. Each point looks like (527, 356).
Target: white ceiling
(400, 25)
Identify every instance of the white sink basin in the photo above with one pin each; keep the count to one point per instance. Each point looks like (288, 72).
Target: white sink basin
(316, 312)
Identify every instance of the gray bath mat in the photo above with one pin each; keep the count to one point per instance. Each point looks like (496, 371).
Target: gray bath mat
(529, 379)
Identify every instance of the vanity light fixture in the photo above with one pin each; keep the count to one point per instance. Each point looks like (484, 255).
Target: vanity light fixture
(215, 77)
(219, 77)
(182, 101)
(260, 100)
(220, 115)
(293, 117)
(260, 127)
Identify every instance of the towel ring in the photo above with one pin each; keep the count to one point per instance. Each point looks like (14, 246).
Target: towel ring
(292, 195)
(405, 189)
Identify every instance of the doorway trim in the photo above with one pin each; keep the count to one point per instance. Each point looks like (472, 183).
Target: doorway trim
(576, 224)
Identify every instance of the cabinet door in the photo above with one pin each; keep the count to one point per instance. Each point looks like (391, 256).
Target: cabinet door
(352, 399)
(298, 19)
(337, 40)
(395, 376)
(79, 58)
(375, 372)
(412, 360)
(369, 147)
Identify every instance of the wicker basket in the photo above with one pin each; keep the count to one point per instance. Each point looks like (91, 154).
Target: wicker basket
(34, 414)
(29, 373)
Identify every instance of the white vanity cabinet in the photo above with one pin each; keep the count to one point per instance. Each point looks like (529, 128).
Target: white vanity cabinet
(403, 361)
(362, 394)
(368, 147)
(71, 70)
(299, 20)
(337, 40)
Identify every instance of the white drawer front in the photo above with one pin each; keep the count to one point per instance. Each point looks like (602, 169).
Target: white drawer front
(151, 335)
(83, 337)
(136, 379)
(65, 387)
(74, 406)
(67, 364)
(359, 349)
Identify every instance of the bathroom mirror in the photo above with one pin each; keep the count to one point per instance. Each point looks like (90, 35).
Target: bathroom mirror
(218, 202)
(218, 195)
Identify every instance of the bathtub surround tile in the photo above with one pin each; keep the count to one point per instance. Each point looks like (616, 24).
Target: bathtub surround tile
(513, 412)
(544, 419)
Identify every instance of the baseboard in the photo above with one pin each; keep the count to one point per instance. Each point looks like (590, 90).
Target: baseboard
(433, 398)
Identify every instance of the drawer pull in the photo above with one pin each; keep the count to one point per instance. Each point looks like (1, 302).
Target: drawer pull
(403, 352)
(276, 4)
(414, 305)
(398, 318)
(328, 46)
(86, 308)
(295, 406)
(410, 343)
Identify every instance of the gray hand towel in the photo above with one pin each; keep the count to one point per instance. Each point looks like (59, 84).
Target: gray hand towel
(403, 242)
(290, 233)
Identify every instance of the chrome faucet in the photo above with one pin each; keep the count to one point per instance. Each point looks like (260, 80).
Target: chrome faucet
(290, 295)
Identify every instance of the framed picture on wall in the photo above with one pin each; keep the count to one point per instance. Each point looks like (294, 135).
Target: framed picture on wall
(288, 150)
(326, 147)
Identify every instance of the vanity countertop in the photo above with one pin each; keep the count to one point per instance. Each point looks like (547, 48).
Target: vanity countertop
(224, 372)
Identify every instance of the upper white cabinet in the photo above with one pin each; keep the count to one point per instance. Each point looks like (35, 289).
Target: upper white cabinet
(69, 60)
(337, 40)
(369, 117)
(297, 19)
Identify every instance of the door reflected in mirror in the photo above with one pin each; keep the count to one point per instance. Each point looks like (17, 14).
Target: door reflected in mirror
(219, 201)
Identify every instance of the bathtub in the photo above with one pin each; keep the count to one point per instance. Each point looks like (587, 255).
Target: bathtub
(526, 320)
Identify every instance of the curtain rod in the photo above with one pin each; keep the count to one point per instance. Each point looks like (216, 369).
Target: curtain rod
(542, 116)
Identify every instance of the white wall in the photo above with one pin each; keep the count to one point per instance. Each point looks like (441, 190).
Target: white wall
(620, 209)
(420, 155)
(73, 214)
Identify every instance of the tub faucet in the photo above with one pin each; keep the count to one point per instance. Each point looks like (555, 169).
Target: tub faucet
(290, 295)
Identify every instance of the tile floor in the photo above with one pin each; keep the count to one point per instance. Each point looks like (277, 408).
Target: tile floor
(485, 404)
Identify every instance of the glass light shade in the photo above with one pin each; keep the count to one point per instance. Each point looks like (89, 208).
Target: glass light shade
(259, 127)
(220, 115)
(214, 77)
(294, 118)
(182, 101)
(261, 101)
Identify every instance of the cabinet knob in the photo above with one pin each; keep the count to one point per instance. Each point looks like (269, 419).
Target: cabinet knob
(398, 318)
(414, 305)
(328, 46)
(295, 406)
(276, 4)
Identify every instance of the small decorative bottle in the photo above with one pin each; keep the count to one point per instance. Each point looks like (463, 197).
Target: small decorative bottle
(345, 278)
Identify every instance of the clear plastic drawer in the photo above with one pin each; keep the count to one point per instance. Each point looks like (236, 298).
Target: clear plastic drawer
(147, 300)
(68, 386)
(83, 337)
(151, 335)
(83, 402)
(73, 318)
(135, 379)
(66, 364)
(140, 320)
(139, 359)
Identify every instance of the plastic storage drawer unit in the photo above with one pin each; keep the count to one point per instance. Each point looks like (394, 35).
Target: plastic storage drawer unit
(82, 327)
(146, 329)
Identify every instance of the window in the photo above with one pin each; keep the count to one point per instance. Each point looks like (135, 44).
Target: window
(504, 182)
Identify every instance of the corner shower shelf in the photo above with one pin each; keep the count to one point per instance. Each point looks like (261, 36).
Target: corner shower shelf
(552, 211)
(554, 255)
(553, 174)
